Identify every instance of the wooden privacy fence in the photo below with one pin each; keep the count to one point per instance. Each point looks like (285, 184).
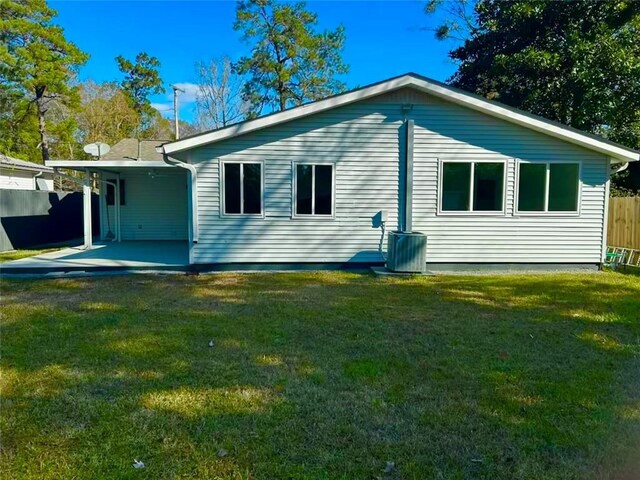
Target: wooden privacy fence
(624, 222)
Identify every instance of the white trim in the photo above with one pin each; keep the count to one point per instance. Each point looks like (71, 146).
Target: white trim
(192, 191)
(118, 207)
(471, 211)
(546, 212)
(86, 211)
(97, 164)
(222, 187)
(294, 196)
(437, 89)
(547, 181)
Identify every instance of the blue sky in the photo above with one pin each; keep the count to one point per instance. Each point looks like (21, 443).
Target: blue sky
(384, 38)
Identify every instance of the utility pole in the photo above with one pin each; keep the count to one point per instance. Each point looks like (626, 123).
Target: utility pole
(176, 89)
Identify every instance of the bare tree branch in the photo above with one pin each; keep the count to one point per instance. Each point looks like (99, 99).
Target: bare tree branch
(219, 99)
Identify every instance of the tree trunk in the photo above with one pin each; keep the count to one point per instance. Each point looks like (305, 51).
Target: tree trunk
(281, 97)
(42, 109)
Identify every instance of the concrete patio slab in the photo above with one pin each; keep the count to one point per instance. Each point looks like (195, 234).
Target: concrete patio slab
(139, 255)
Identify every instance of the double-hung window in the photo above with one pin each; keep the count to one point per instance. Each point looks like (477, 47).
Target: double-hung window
(242, 188)
(548, 187)
(313, 190)
(472, 187)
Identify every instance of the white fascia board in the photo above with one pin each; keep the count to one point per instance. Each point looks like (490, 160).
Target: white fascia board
(436, 89)
(93, 164)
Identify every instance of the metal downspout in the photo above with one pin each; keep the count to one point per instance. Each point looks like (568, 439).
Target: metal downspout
(193, 191)
(405, 220)
(35, 179)
(619, 169)
(605, 221)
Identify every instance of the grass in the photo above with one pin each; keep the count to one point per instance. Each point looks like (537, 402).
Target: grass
(321, 375)
(18, 254)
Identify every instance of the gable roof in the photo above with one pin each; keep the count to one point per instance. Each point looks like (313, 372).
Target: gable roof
(615, 151)
(127, 149)
(17, 164)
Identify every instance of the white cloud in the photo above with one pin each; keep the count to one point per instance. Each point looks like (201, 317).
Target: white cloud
(190, 92)
(186, 100)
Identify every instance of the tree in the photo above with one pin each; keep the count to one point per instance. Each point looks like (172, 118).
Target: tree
(37, 63)
(141, 80)
(458, 21)
(106, 114)
(187, 129)
(290, 63)
(158, 128)
(219, 99)
(574, 62)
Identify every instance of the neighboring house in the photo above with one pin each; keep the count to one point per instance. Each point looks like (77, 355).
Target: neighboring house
(486, 183)
(22, 175)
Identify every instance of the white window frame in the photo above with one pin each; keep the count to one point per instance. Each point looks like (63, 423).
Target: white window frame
(294, 199)
(223, 186)
(546, 212)
(494, 213)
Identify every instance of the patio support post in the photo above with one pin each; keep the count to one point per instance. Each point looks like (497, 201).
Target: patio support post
(117, 209)
(86, 210)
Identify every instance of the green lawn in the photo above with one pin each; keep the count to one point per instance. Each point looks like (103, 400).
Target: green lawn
(18, 254)
(321, 375)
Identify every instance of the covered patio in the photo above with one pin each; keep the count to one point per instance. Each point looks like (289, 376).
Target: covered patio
(106, 256)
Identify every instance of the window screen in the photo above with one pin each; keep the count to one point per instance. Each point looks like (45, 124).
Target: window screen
(488, 187)
(232, 190)
(563, 187)
(324, 186)
(456, 186)
(548, 187)
(314, 190)
(242, 188)
(304, 189)
(252, 188)
(532, 187)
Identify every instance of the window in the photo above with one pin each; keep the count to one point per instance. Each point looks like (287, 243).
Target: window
(313, 189)
(472, 187)
(548, 187)
(111, 192)
(242, 187)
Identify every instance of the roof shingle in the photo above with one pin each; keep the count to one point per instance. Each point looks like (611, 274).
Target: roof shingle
(11, 162)
(127, 149)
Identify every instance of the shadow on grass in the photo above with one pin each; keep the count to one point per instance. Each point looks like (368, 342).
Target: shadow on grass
(321, 375)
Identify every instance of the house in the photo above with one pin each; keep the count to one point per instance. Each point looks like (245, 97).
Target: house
(152, 203)
(18, 174)
(486, 183)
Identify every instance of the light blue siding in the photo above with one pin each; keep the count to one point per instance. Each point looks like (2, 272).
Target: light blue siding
(363, 141)
(156, 205)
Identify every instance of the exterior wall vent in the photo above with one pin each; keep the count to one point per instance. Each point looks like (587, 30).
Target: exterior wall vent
(407, 252)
